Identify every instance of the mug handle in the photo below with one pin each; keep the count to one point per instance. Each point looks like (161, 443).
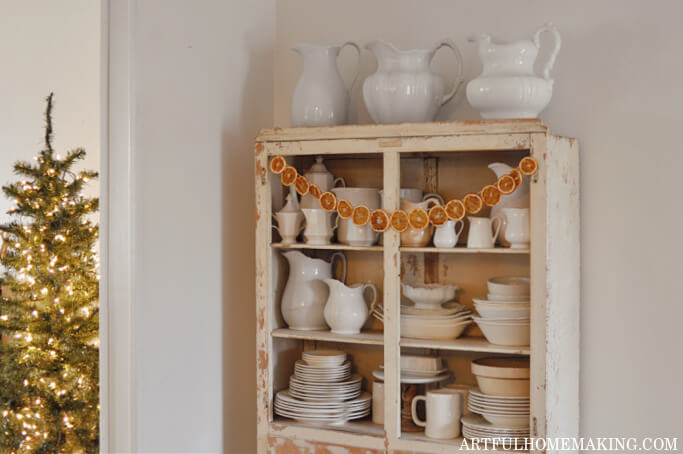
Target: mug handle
(342, 258)
(462, 226)
(355, 46)
(339, 180)
(500, 223)
(458, 79)
(549, 27)
(373, 287)
(433, 195)
(413, 408)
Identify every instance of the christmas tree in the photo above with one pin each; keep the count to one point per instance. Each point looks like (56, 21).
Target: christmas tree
(49, 384)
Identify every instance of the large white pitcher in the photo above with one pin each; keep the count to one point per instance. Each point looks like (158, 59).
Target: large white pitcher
(305, 294)
(320, 97)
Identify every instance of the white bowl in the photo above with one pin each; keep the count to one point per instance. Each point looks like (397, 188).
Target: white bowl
(502, 312)
(502, 376)
(509, 285)
(421, 329)
(497, 304)
(418, 362)
(493, 298)
(429, 296)
(512, 333)
(507, 421)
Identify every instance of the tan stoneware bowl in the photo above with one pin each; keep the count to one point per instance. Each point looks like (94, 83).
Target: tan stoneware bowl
(502, 376)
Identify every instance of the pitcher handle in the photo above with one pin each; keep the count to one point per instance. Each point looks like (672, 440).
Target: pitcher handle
(355, 46)
(462, 226)
(342, 257)
(431, 195)
(373, 287)
(458, 79)
(339, 180)
(413, 407)
(437, 200)
(549, 27)
(500, 223)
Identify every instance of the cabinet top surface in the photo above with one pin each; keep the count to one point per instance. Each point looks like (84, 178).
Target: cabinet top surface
(372, 131)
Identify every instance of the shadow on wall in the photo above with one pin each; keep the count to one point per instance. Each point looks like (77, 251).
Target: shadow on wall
(238, 251)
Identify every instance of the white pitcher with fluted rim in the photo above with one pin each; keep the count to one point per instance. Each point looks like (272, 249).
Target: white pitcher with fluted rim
(346, 311)
(320, 97)
(508, 87)
(305, 294)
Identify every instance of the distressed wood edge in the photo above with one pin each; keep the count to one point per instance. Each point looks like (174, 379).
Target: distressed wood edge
(373, 131)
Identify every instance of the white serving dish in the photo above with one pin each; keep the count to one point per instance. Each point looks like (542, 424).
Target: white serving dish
(507, 421)
(509, 285)
(502, 312)
(500, 303)
(493, 298)
(429, 296)
(512, 333)
(502, 376)
(425, 329)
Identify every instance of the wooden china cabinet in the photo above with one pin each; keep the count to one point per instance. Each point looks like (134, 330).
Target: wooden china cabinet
(450, 159)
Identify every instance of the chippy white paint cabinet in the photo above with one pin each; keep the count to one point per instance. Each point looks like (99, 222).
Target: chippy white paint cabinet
(450, 159)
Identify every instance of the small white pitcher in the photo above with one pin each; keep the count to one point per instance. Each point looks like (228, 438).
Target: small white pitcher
(446, 236)
(517, 227)
(319, 227)
(418, 237)
(346, 311)
(482, 235)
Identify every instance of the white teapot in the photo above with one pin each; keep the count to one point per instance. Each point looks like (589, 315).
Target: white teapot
(323, 178)
(508, 87)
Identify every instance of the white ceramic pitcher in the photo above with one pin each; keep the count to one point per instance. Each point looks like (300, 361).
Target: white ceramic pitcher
(419, 237)
(508, 87)
(346, 311)
(305, 294)
(518, 199)
(481, 235)
(405, 88)
(320, 97)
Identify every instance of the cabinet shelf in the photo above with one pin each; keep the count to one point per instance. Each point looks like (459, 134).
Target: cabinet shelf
(365, 337)
(465, 250)
(465, 344)
(361, 433)
(331, 247)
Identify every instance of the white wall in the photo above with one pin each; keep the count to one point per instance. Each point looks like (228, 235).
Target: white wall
(48, 47)
(618, 90)
(203, 86)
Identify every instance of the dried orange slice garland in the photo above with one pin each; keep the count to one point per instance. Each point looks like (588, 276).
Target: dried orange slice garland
(399, 220)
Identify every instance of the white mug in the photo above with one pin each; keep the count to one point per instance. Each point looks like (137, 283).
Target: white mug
(481, 234)
(289, 225)
(319, 227)
(464, 391)
(516, 224)
(377, 402)
(444, 410)
(446, 236)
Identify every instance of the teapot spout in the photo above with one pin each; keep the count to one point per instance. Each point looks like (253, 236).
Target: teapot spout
(500, 168)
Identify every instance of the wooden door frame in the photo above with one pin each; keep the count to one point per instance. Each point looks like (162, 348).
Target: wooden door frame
(118, 229)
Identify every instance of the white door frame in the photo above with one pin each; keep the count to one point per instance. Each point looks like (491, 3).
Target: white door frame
(118, 231)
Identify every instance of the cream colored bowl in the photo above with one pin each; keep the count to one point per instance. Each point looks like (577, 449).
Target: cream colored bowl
(424, 329)
(429, 296)
(503, 312)
(509, 285)
(502, 376)
(506, 332)
(507, 421)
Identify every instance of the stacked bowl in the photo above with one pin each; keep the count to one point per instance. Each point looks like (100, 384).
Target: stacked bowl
(504, 317)
(501, 403)
(323, 390)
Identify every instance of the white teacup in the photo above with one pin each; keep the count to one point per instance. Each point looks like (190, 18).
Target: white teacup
(481, 233)
(446, 236)
(289, 225)
(444, 410)
(319, 227)
(352, 234)
(516, 228)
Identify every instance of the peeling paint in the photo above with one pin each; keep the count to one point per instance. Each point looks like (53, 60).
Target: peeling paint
(258, 148)
(282, 445)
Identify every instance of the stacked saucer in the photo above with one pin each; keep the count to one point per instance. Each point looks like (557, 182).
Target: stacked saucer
(505, 412)
(323, 390)
(476, 427)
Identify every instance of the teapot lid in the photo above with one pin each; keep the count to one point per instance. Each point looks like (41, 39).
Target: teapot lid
(318, 167)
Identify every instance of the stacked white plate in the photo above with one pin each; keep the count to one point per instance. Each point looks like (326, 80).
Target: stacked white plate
(446, 321)
(504, 412)
(474, 426)
(504, 316)
(323, 390)
(419, 370)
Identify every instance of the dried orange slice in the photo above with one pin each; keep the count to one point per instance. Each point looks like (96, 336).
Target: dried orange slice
(361, 215)
(517, 176)
(344, 208)
(491, 195)
(328, 201)
(288, 176)
(528, 165)
(278, 164)
(301, 185)
(418, 219)
(314, 191)
(455, 209)
(379, 220)
(438, 215)
(473, 203)
(399, 220)
(506, 184)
